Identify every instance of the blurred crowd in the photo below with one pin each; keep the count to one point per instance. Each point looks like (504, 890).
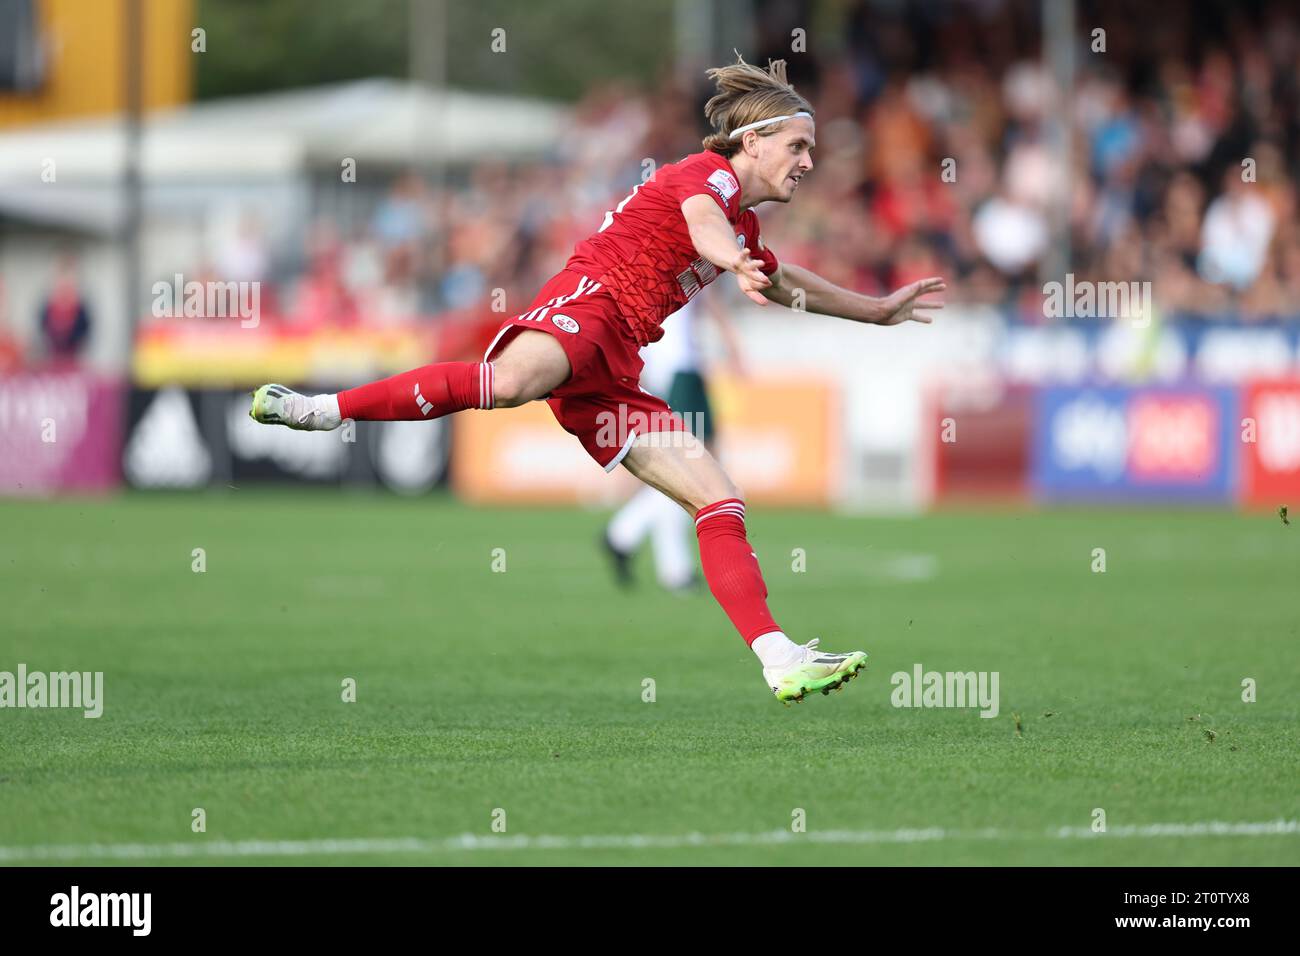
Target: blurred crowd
(1182, 130)
(939, 129)
(63, 322)
(938, 132)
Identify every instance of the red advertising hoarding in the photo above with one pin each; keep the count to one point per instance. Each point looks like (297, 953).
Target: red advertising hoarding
(1270, 443)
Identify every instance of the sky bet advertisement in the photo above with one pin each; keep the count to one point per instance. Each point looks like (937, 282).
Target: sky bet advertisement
(1108, 442)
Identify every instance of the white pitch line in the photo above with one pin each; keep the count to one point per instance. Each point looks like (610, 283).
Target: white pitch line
(473, 842)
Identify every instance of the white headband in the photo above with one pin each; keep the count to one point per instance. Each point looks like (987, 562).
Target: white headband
(767, 122)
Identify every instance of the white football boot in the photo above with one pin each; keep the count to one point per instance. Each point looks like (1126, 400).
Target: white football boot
(813, 670)
(277, 405)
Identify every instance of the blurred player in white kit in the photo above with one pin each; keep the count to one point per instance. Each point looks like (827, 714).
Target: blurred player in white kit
(675, 370)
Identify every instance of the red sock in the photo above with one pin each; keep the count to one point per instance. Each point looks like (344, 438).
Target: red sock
(731, 568)
(428, 392)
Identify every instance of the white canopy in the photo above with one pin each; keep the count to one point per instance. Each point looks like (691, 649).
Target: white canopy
(274, 135)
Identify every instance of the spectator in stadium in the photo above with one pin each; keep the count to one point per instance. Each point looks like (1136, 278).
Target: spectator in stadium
(1236, 233)
(11, 350)
(323, 297)
(65, 320)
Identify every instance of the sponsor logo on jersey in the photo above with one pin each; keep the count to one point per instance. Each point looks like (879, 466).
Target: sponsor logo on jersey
(695, 278)
(565, 322)
(723, 183)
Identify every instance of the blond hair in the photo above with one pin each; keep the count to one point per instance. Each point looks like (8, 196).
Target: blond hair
(747, 94)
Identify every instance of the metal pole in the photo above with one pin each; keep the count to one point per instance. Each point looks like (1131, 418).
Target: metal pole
(132, 184)
(1058, 52)
(427, 69)
(693, 36)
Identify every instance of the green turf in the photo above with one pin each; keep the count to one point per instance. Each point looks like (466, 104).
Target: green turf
(523, 690)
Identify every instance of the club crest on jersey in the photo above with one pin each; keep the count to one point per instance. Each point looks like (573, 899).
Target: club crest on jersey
(565, 322)
(723, 183)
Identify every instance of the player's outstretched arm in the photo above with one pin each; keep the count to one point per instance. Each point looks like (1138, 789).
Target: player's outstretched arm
(792, 283)
(714, 239)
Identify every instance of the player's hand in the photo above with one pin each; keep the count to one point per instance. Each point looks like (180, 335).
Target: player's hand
(750, 276)
(906, 304)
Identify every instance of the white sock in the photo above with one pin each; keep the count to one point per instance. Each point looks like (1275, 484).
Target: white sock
(630, 525)
(674, 560)
(328, 406)
(775, 649)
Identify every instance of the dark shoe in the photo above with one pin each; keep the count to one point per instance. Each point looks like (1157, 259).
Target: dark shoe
(620, 561)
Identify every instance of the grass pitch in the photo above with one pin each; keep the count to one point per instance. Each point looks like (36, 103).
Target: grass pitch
(481, 690)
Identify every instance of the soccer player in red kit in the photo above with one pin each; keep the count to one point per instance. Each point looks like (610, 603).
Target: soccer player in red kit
(577, 344)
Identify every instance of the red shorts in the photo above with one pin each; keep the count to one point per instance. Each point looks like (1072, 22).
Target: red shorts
(602, 402)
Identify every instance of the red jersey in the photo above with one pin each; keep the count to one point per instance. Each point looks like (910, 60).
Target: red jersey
(642, 253)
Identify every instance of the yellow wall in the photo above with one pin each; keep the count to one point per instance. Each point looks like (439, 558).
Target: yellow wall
(84, 73)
